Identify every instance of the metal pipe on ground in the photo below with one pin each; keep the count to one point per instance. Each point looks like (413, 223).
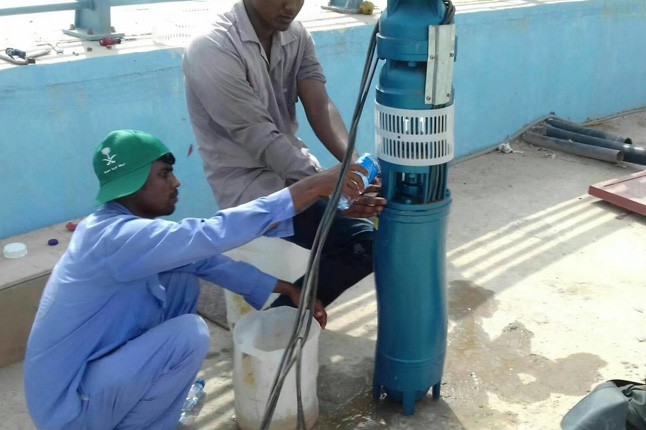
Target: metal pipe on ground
(576, 148)
(576, 128)
(632, 153)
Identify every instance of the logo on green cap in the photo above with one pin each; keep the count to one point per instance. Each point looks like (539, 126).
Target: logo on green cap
(122, 162)
(109, 159)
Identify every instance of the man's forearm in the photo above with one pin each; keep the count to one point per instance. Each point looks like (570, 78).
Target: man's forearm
(321, 185)
(332, 132)
(305, 192)
(284, 288)
(324, 117)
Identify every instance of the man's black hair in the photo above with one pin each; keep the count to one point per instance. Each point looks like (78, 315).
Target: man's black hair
(167, 158)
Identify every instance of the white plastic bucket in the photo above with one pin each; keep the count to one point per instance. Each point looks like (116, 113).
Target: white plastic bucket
(275, 256)
(259, 340)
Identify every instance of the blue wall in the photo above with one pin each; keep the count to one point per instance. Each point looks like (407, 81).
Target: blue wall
(580, 60)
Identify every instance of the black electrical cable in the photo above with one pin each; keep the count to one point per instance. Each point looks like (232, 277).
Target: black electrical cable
(309, 290)
(440, 192)
(310, 281)
(299, 400)
(449, 13)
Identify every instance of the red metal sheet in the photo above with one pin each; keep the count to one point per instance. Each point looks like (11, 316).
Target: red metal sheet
(628, 192)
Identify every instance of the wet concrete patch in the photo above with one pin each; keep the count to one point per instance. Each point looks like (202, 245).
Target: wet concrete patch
(335, 395)
(364, 412)
(479, 365)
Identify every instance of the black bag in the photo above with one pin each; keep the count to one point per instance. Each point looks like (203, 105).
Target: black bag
(612, 405)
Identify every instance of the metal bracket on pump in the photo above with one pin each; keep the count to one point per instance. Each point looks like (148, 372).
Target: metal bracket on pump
(92, 22)
(439, 69)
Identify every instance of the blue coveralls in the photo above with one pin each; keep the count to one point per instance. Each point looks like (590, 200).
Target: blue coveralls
(115, 342)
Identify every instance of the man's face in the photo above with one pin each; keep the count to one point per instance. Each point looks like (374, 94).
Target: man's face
(159, 194)
(277, 14)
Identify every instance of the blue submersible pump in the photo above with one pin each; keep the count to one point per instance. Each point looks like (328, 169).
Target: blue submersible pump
(414, 143)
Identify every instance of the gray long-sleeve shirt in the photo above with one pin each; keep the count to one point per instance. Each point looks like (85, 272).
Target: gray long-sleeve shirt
(243, 107)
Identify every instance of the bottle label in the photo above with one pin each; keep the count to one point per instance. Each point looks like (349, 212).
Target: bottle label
(370, 163)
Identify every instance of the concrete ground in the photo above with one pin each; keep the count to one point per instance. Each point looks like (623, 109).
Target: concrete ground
(547, 299)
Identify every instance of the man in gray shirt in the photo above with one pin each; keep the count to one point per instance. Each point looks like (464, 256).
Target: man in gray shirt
(243, 80)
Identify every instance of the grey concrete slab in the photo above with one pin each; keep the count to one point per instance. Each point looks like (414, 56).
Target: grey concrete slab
(547, 299)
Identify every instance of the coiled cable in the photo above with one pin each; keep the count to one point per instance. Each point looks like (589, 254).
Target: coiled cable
(293, 351)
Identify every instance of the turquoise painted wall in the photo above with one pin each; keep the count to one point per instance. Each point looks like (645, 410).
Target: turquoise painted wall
(57, 114)
(580, 60)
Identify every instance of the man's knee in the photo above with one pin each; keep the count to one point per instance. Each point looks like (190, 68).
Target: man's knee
(194, 332)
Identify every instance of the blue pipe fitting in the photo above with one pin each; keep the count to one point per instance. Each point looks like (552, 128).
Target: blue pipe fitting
(403, 29)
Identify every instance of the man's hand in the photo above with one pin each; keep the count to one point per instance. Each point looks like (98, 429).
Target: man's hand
(352, 185)
(319, 310)
(283, 287)
(367, 205)
(322, 184)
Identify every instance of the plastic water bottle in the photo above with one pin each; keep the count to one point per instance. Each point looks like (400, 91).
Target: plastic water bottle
(189, 411)
(371, 164)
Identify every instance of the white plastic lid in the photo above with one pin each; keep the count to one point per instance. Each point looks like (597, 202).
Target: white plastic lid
(15, 250)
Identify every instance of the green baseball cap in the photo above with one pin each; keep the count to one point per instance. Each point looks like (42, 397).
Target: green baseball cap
(122, 163)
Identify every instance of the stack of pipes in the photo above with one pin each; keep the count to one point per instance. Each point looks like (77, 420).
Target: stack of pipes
(566, 136)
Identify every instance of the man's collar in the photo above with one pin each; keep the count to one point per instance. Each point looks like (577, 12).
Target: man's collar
(113, 206)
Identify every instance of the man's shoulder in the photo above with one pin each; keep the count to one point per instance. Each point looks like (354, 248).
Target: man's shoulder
(225, 23)
(109, 218)
(220, 35)
(229, 25)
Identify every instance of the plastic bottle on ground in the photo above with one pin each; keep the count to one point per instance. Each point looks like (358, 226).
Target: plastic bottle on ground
(189, 410)
(371, 164)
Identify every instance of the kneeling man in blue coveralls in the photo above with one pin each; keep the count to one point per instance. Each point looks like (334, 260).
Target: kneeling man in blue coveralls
(116, 342)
